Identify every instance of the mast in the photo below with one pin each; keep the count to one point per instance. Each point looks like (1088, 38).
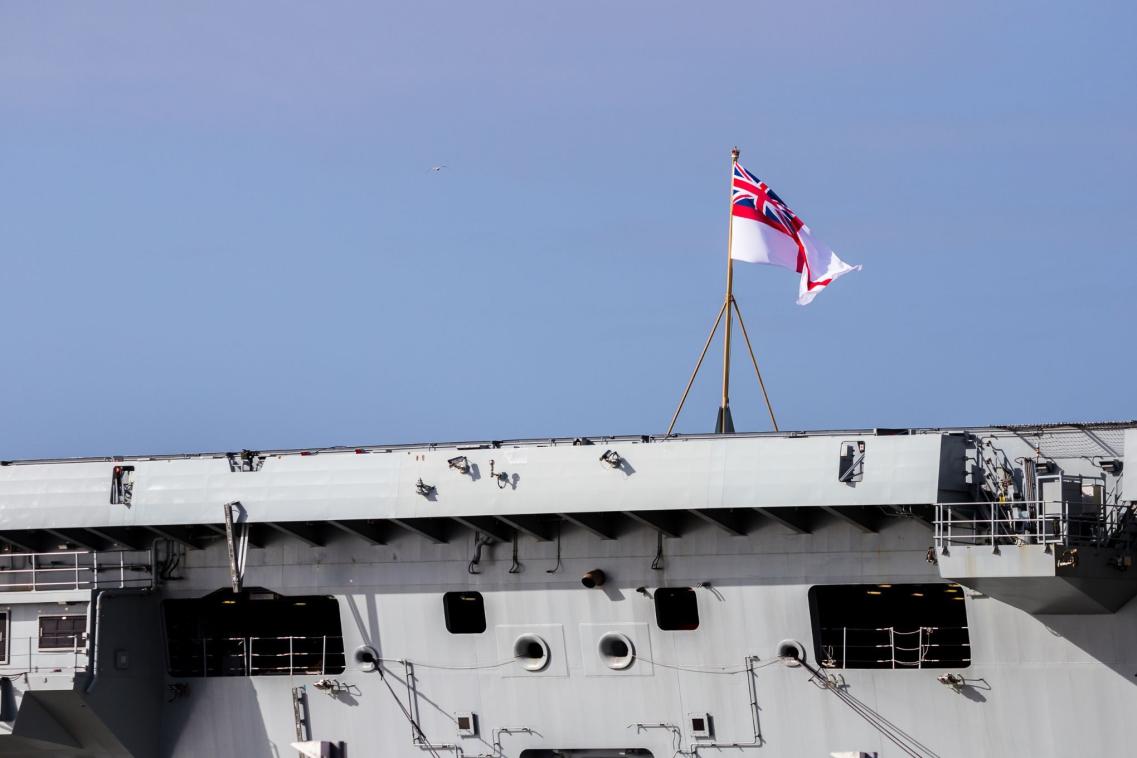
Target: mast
(729, 308)
(725, 424)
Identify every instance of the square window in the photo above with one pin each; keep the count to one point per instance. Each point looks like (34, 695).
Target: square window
(676, 609)
(62, 632)
(465, 612)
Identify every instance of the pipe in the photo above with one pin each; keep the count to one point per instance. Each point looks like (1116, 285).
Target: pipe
(594, 578)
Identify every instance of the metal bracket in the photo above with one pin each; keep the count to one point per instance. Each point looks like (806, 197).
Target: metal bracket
(237, 541)
(853, 468)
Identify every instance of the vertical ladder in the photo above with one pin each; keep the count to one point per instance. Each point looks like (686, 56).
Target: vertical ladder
(299, 715)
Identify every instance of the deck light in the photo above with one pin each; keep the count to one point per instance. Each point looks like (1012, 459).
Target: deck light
(611, 458)
(426, 490)
(459, 463)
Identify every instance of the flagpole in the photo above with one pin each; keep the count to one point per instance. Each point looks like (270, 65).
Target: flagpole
(725, 424)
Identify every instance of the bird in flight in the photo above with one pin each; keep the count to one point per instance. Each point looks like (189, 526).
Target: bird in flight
(438, 168)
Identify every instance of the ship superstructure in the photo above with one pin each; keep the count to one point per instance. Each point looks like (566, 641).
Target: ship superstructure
(935, 592)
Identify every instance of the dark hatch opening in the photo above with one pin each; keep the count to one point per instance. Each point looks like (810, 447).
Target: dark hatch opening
(465, 612)
(253, 633)
(860, 626)
(676, 609)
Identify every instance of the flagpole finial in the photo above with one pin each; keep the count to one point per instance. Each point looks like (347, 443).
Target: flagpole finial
(735, 153)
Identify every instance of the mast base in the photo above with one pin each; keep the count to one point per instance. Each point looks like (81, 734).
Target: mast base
(724, 424)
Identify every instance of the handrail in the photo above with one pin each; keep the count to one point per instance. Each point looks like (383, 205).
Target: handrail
(1043, 522)
(77, 570)
(26, 655)
(256, 656)
(879, 647)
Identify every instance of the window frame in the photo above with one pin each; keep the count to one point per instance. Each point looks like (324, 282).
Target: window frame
(77, 644)
(689, 591)
(446, 611)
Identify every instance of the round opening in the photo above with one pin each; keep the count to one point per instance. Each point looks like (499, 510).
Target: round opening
(791, 652)
(366, 658)
(616, 650)
(594, 578)
(531, 652)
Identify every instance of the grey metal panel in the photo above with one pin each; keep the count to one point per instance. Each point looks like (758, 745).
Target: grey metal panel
(754, 602)
(679, 474)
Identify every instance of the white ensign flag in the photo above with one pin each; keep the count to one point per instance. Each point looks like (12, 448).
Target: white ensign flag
(764, 230)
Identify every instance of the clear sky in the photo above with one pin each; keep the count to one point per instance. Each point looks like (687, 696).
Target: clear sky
(219, 227)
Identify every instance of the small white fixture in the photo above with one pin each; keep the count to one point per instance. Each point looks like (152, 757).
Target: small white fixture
(467, 724)
(701, 727)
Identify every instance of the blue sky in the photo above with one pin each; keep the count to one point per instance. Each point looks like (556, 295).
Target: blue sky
(219, 228)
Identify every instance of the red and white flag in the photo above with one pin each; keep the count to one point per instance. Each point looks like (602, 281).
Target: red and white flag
(764, 230)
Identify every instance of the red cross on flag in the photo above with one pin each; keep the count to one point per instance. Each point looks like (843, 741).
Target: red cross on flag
(764, 230)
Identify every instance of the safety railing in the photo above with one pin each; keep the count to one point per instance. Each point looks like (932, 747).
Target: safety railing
(75, 570)
(48, 654)
(256, 656)
(895, 647)
(1034, 522)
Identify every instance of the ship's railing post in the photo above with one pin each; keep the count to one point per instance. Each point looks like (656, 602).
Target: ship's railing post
(94, 571)
(324, 655)
(844, 646)
(920, 649)
(250, 667)
(121, 569)
(290, 656)
(204, 658)
(76, 557)
(33, 572)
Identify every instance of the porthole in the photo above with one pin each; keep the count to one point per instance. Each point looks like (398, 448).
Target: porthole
(531, 652)
(616, 650)
(791, 652)
(366, 658)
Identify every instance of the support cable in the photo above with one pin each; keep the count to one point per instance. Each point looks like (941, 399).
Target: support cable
(888, 730)
(754, 360)
(698, 365)
(425, 743)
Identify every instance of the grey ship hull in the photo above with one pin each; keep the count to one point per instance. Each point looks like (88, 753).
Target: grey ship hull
(750, 523)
